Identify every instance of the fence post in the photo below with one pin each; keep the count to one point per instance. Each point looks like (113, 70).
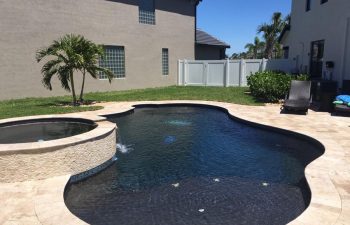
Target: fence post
(179, 72)
(263, 66)
(227, 74)
(241, 71)
(184, 72)
(206, 72)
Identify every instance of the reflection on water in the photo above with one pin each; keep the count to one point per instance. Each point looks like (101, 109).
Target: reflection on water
(169, 139)
(179, 122)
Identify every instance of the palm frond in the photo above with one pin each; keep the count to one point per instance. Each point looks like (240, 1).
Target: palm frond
(249, 46)
(262, 28)
(64, 77)
(49, 70)
(110, 75)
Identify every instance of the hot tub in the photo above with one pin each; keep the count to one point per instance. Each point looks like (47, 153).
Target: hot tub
(41, 147)
(40, 130)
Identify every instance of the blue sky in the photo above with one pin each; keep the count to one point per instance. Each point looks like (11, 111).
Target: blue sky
(236, 21)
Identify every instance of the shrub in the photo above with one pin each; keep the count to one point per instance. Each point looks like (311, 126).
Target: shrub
(278, 71)
(271, 86)
(302, 77)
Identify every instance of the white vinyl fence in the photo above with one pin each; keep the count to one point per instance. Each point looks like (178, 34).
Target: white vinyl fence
(226, 72)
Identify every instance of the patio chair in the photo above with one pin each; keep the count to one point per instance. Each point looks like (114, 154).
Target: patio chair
(299, 97)
(344, 91)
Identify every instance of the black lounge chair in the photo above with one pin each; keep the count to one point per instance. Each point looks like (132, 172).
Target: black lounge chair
(344, 91)
(299, 97)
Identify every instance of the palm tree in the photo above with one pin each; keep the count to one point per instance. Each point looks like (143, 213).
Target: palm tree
(277, 50)
(92, 53)
(271, 33)
(70, 54)
(235, 56)
(241, 55)
(255, 48)
(64, 59)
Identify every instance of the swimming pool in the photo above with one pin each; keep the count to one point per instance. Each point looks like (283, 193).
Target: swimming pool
(196, 165)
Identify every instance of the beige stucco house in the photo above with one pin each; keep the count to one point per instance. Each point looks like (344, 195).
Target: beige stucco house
(319, 32)
(144, 40)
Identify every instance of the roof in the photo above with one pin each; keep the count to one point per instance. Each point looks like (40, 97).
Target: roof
(197, 1)
(284, 32)
(203, 38)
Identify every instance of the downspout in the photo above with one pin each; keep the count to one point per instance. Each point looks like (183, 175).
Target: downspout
(195, 28)
(346, 47)
(302, 57)
(195, 3)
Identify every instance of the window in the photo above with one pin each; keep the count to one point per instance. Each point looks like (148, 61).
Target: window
(323, 1)
(308, 5)
(147, 12)
(113, 60)
(286, 52)
(165, 61)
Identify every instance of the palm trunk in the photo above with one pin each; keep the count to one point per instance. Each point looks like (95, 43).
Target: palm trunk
(268, 50)
(73, 89)
(82, 88)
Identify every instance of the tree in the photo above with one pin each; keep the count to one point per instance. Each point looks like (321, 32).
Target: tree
(241, 55)
(271, 32)
(278, 51)
(235, 56)
(255, 48)
(67, 55)
(65, 58)
(91, 54)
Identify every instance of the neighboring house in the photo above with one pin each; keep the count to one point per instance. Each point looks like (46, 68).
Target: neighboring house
(319, 32)
(144, 39)
(208, 47)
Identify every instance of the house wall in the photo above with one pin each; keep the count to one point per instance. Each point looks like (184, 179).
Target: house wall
(330, 22)
(29, 25)
(205, 52)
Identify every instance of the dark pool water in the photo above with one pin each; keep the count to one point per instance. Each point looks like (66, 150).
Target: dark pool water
(42, 130)
(195, 165)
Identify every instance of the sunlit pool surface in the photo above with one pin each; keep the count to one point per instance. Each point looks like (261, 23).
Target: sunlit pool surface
(195, 165)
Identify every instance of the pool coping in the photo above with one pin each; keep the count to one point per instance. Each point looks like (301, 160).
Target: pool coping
(329, 202)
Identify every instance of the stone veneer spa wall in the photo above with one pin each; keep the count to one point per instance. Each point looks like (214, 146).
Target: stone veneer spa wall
(71, 155)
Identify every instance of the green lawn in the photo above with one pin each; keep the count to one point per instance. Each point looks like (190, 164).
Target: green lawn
(58, 105)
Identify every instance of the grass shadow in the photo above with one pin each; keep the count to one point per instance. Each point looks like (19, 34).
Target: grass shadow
(60, 103)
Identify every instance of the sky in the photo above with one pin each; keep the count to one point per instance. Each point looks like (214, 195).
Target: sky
(235, 21)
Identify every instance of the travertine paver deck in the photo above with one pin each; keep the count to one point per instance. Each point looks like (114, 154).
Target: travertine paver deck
(41, 202)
